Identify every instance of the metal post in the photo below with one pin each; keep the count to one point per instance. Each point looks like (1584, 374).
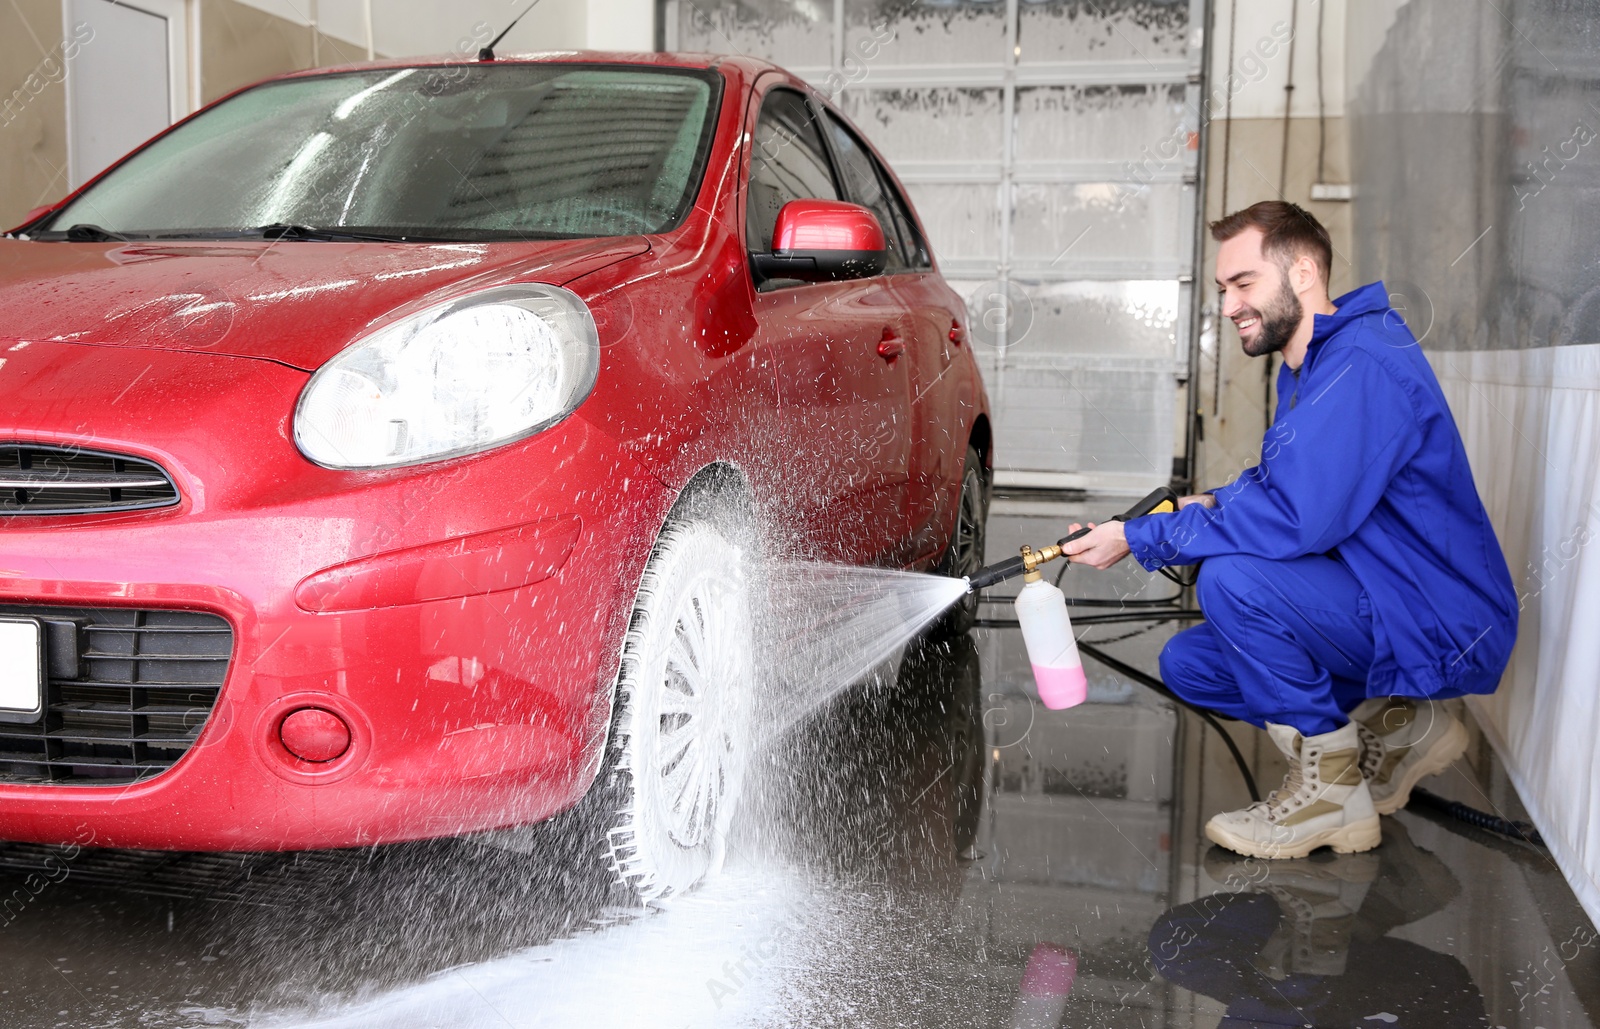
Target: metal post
(836, 59)
(1206, 11)
(667, 15)
(1007, 199)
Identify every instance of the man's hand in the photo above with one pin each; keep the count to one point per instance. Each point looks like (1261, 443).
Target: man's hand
(1203, 499)
(1104, 546)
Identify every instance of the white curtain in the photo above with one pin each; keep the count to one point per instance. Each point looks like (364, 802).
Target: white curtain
(1531, 422)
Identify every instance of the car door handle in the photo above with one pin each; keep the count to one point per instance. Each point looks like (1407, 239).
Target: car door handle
(958, 335)
(891, 347)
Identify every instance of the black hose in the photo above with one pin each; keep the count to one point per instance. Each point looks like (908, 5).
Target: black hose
(1482, 819)
(1006, 598)
(1178, 615)
(1101, 641)
(1096, 602)
(1181, 614)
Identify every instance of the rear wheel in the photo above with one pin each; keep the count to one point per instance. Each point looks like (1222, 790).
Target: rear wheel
(964, 555)
(679, 751)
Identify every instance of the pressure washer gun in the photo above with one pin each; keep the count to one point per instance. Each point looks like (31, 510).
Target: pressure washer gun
(1042, 609)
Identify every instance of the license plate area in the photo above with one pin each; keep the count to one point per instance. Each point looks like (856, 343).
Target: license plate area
(21, 669)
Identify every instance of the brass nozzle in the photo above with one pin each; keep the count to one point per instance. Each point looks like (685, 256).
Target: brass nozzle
(1032, 559)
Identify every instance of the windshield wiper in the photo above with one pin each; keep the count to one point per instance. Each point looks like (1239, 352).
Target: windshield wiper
(283, 230)
(84, 232)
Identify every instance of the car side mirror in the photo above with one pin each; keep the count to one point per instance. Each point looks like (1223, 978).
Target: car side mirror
(823, 241)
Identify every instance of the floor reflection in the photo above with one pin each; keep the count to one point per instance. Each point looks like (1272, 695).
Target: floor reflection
(1309, 942)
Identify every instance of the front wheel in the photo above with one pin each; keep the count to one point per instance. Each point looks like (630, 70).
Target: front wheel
(680, 746)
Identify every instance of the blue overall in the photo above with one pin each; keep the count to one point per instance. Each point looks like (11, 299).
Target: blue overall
(1355, 559)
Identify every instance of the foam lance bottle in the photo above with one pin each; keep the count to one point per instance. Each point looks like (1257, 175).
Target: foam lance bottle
(1052, 649)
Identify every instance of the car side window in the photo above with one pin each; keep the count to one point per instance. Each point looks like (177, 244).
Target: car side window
(788, 162)
(867, 188)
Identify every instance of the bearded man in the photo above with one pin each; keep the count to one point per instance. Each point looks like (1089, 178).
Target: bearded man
(1351, 579)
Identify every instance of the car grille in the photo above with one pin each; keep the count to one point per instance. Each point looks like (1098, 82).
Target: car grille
(128, 692)
(43, 480)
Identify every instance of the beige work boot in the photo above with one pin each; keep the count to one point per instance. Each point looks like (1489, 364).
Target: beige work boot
(1323, 802)
(1404, 741)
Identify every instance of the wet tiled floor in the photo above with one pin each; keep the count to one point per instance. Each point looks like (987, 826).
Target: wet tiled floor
(935, 850)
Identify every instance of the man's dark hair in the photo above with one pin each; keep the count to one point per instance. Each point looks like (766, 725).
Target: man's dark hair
(1287, 231)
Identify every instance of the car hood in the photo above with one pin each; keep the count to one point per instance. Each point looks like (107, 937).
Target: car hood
(294, 302)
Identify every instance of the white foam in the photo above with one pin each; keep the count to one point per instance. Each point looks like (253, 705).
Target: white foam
(713, 958)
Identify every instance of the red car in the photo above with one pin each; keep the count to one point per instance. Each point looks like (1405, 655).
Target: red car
(382, 450)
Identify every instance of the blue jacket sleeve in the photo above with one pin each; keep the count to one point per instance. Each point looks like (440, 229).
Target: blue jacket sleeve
(1324, 467)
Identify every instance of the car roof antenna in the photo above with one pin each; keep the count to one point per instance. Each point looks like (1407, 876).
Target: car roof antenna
(487, 53)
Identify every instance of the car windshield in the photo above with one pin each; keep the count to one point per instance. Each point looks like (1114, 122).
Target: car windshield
(459, 152)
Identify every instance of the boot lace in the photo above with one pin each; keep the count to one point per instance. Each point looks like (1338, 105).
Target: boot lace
(1280, 797)
(1372, 751)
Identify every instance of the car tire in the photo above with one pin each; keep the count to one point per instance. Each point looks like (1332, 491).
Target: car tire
(681, 728)
(964, 554)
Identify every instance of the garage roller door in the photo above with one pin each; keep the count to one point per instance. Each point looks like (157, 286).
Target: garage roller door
(1050, 150)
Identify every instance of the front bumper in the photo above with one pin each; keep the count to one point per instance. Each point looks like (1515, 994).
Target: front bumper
(464, 619)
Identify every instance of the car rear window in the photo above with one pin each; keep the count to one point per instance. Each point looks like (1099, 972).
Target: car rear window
(471, 152)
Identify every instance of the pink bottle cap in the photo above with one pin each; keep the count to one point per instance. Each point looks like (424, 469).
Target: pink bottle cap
(1051, 971)
(1061, 687)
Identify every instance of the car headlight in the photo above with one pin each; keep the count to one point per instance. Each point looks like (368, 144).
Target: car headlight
(456, 378)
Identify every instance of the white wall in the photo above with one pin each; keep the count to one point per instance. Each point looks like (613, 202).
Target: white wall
(406, 28)
(621, 25)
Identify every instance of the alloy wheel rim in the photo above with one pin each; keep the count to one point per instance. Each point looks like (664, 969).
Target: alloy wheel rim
(694, 745)
(969, 533)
